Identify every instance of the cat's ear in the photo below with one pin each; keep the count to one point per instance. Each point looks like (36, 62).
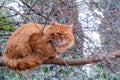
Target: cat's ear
(70, 25)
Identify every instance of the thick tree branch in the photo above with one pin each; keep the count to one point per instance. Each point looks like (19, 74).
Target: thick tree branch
(82, 61)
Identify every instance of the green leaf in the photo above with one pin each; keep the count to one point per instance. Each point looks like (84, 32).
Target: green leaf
(46, 69)
(100, 66)
(6, 27)
(76, 56)
(103, 75)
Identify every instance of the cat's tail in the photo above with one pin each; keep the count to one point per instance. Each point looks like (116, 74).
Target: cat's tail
(22, 64)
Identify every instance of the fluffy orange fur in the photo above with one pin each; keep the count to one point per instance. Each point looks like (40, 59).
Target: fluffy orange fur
(31, 44)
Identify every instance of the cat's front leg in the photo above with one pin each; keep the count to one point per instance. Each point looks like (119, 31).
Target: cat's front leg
(53, 55)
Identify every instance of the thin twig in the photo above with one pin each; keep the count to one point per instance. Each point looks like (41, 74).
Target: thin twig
(16, 12)
(32, 6)
(34, 10)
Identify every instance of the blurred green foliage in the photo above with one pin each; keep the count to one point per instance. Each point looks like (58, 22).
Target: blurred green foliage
(53, 72)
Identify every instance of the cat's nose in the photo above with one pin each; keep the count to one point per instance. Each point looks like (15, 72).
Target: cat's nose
(60, 38)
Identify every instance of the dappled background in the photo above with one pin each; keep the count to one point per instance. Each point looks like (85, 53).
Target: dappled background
(96, 30)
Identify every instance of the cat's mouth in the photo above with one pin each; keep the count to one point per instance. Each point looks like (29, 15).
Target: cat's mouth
(61, 42)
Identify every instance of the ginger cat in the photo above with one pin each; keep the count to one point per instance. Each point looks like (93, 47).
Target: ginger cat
(31, 44)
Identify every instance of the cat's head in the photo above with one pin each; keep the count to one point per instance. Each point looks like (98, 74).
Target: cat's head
(60, 35)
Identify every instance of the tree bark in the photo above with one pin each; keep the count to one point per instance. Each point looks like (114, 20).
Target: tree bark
(82, 61)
